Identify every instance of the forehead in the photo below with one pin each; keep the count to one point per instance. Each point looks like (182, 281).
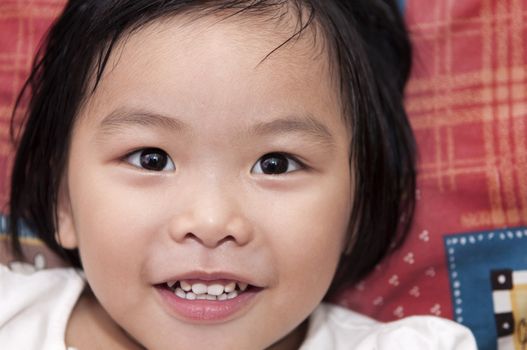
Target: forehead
(236, 66)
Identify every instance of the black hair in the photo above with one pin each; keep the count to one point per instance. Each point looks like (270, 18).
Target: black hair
(370, 53)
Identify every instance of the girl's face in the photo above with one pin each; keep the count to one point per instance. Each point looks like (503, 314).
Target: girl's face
(197, 163)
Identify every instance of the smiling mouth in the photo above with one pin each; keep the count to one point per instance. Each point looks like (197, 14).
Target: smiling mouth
(212, 291)
(208, 301)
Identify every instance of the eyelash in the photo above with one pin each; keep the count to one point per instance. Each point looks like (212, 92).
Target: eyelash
(288, 157)
(135, 159)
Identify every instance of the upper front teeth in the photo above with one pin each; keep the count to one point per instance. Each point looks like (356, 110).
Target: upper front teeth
(230, 287)
(213, 291)
(185, 286)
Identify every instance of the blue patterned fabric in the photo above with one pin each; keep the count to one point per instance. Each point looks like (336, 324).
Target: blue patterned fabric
(25, 232)
(473, 260)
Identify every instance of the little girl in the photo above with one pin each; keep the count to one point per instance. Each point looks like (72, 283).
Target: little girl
(212, 171)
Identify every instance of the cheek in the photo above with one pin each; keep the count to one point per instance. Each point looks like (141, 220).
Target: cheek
(308, 233)
(113, 224)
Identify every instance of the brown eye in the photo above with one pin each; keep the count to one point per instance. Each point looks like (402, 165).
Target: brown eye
(275, 164)
(153, 159)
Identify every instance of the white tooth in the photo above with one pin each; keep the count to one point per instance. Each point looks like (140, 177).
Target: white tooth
(215, 289)
(201, 296)
(199, 288)
(242, 286)
(211, 297)
(222, 297)
(185, 286)
(171, 284)
(190, 296)
(180, 293)
(232, 295)
(230, 287)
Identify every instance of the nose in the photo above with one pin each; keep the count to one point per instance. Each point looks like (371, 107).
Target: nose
(212, 217)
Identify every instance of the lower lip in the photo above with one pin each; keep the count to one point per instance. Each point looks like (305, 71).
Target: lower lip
(207, 310)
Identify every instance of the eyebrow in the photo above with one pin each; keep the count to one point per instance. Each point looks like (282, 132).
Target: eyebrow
(295, 124)
(124, 118)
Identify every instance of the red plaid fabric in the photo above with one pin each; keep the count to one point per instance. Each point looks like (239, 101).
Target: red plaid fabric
(467, 101)
(22, 24)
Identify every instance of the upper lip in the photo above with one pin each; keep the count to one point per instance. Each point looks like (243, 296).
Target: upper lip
(212, 276)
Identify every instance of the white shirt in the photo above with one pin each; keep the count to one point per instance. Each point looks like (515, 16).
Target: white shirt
(35, 308)
(337, 328)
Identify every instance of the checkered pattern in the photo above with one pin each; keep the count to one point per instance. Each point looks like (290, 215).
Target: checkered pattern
(468, 106)
(510, 329)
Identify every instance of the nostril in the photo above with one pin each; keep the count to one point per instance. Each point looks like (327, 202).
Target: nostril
(226, 239)
(192, 236)
(209, 241)
(211, 233)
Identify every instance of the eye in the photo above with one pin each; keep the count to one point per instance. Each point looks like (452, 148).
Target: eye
(153, 159)
(275, 164)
